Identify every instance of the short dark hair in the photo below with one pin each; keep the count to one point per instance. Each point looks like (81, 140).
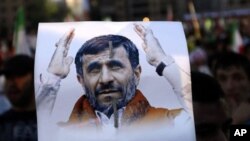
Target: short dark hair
(101, 43)
(18, 65)
(205, 89)
(230, 59)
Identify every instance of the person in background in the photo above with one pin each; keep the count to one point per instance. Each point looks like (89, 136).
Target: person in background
(232, 71)
(210, 113)
(198, 60)
(19, 123)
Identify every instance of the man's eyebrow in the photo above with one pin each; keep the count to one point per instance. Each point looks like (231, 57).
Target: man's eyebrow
(93, 65)
(115, 63)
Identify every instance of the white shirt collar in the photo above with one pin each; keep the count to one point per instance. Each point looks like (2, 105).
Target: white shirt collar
(105, 121)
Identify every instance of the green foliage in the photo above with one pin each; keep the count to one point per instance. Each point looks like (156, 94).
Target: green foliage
(44, 11)
(50, 7)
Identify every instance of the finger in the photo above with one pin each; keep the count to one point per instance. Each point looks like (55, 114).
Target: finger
(142, 27)
(70, 36)
(65, 38)
(68, 61)
(69, 41)
(140, 34)
(138, 28)
(61, 40)
(148, 31)
(145, 30)
(144, 46)
(65, 52)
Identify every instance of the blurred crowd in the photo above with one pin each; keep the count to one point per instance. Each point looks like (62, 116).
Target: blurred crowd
(218, 35)
(219, 49)
(219, 52)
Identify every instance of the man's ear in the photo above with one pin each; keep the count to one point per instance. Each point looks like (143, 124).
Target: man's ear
(137, 73)
(80, 79)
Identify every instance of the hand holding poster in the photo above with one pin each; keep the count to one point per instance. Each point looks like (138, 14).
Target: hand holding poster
(135, 77)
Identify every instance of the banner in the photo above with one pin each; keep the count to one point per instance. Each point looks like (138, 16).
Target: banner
(113, 81)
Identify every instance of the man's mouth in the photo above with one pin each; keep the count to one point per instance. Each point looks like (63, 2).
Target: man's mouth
(107, 96)
(107, 92)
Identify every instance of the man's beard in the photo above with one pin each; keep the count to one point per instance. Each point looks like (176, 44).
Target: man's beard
(127, 91)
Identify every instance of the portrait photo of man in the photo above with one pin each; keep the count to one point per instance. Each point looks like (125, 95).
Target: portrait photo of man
(114, 105)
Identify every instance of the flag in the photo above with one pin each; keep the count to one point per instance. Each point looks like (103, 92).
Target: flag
(236, 39)
(20, 40)
(194, 20)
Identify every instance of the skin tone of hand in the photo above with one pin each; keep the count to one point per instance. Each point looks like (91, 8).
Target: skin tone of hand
(151, 46)
(60, 62)
(242, 114)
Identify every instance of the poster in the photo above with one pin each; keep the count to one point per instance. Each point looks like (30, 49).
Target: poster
(115, 93)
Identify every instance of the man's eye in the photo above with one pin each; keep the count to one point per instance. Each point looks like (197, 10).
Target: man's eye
(222, 78)
(237, 77)
(115, 67)
(94, 70)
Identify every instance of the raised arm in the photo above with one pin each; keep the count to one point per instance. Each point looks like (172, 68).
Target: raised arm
(58, 69)
(165, 65)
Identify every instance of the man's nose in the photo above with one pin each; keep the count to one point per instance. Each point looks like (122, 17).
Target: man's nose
(106, 76)
(229, 84)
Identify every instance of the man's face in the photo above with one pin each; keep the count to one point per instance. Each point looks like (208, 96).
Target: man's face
(211, 121)
(108, 76)
(19, 90)
(234, 82)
